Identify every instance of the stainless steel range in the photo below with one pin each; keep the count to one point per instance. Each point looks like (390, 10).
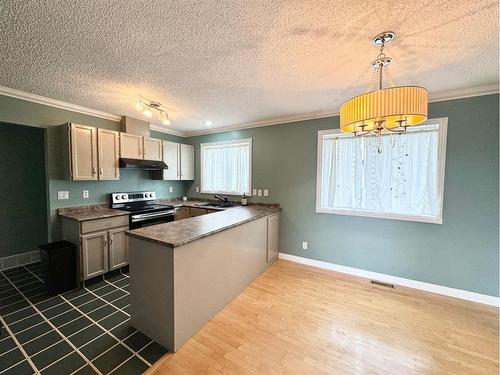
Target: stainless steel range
(144, 211)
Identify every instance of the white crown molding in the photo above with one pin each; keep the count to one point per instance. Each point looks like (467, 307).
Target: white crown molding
(420, 285)
(18, 94)
(162, 129)
(437, 97)
(269, 122)
(469, 92)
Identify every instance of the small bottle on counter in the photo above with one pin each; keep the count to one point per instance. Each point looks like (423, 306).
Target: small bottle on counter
(244, 200)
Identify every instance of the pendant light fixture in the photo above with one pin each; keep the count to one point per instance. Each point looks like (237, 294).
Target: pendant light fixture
(147, 107)
(392, 109)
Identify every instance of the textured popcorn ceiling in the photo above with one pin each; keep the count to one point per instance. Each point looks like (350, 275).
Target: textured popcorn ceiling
(236, 62)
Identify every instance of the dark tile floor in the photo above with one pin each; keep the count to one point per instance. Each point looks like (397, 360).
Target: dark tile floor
(85, 331)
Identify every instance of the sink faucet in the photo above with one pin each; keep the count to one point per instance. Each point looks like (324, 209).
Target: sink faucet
(222, 199)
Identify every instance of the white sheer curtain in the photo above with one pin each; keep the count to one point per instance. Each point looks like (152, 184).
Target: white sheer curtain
(226, 167)
(392, 173)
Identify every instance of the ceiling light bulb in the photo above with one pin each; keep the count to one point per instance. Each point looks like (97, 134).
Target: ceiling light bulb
(147, 113)
(208, 122)
(139, 105)
(164, 118)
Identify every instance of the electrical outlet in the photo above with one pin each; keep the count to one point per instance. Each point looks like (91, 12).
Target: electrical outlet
(197, 189)
(304, 245)
(254, 192)
(171, 189)
(259, 192)
(266, 192)
(62, 195)
(85, 194)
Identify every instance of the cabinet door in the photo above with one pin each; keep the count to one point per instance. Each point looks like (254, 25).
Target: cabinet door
(94, 254)
(108, 142)
(152, 149)
(187, 162)
(196, 211)
(83, 152)
(171, 152)
(130, 146)
(272, 237)
(118, 248)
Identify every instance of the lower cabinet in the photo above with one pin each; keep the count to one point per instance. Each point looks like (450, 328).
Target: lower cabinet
(103, 251)
(94, 254)
(118, 248)
(197, 211)
(181, 213)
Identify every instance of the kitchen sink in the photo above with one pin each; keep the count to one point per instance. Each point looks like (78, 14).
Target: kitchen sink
(221, 205)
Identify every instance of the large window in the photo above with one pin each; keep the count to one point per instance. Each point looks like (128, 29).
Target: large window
(226, 167)
(393, 176)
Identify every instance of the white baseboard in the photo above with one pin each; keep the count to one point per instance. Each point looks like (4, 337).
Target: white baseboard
(432, 288)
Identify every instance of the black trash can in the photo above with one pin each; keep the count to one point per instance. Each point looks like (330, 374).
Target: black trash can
(59, 266)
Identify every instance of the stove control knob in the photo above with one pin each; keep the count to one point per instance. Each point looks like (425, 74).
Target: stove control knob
(117, 197)
(124, 196)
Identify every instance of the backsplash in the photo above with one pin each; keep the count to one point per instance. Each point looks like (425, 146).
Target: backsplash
(130, 180)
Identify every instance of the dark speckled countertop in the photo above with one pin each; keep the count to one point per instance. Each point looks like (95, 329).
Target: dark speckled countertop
(84, 213)
(178, 233)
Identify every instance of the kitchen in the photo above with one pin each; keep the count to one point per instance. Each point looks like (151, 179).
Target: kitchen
(202, 188)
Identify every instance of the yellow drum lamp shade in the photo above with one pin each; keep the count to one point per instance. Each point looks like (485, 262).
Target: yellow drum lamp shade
(389, 108)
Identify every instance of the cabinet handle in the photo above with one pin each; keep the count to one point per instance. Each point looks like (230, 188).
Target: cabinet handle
(100, 171)
(94, 171)
(111, 240)
(105, 240)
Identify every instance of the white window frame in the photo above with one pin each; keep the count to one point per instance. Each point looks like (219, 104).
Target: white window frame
(438, 219)
(224, 143)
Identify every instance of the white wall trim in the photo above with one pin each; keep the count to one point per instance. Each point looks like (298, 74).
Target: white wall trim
(269, 122)
(488, 89)
(6, 91)
(420, 285)
(469, 92)
(436, 97)
(162, 129)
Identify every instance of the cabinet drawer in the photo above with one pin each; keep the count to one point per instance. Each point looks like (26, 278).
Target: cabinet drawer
(102, 224)
(197, 211)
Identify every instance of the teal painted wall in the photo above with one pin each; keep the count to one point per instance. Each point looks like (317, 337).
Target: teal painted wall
(462, 253)
(27, 113)
(23, 213)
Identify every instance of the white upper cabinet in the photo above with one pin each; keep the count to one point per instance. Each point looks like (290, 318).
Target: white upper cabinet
(171, 154)
(180, 161)
(187, 162)
(108, 142)
(131, 146)
(152, 149)
(83, 152)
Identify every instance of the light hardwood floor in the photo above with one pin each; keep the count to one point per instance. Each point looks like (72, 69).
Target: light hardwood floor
(297, 319)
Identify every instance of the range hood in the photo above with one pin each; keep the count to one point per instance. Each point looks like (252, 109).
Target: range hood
(152, 165)
(138, 127)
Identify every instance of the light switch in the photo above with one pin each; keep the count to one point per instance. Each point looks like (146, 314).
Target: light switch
(197, 189)
(85, 194)
(266, 192)
(304, 245)
(259, 193)
(254, 192)
(62, 195)
(171, 189)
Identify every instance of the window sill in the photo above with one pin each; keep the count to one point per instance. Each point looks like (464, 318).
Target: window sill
(381, 215)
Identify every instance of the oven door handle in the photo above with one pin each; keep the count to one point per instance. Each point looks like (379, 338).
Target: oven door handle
(152, 215)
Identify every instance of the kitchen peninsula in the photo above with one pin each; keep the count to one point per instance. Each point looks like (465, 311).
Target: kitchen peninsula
(184, 272)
